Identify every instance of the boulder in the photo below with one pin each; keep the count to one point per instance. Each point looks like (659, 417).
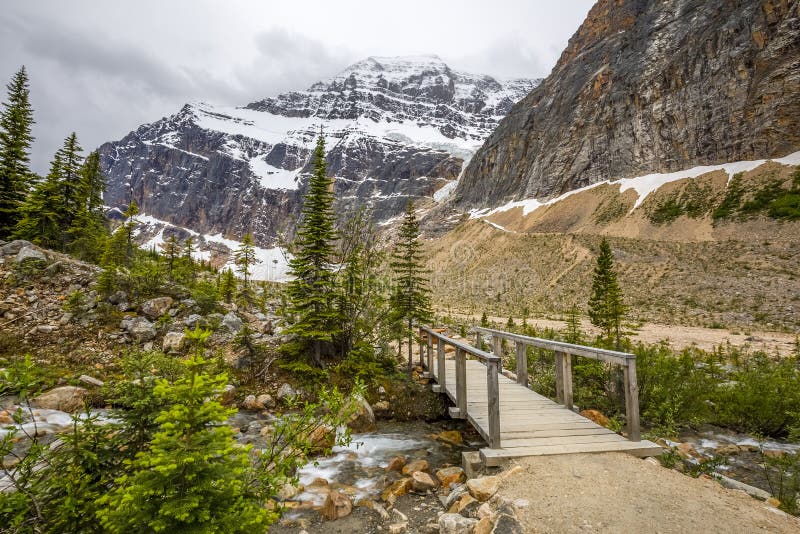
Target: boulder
(337, 505)
(686, 451)
(194, 320)
(251, 403)
(362, 419)
(286, 391)
(232, 322)
(450, 475)
(28, 253)
(396, 464)
(466, 500)
(139, 327)
(286, 492)
(90, 380)
(729, 449)
(117, 297)
(451, 437)
(64, 398)
(483, 488)
(381, 407)
(320, 438)
(155, 308)
(228, 394)
(456, 492)
(422, 482)
(399, 488)
(13, 248)
(507, 524)
(456, 524)
(484, 526)
(597, 417)
(415, 465)
(173, 341)
(267, 400)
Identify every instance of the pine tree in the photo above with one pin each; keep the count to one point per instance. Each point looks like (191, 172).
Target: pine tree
(311, 293)
(193, 478)
(87, 232)
(172, 251)
(606, 307)
(16, 177)
(484, 320)
(410, 300)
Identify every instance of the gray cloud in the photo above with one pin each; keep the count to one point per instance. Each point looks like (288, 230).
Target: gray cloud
(103, 68)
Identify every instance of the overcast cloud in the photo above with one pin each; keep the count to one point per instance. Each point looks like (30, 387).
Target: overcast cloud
(102, 68)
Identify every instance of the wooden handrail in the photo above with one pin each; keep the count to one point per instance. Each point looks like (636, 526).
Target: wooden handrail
(493, 364)
(564, 368)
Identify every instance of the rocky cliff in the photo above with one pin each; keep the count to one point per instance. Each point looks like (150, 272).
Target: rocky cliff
(395, 128)
(649, 86)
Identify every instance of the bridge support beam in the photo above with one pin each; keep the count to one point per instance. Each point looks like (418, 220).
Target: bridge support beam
(493, 390)
(522, 364)
(564, 379)
(631, 401)
(461, 382)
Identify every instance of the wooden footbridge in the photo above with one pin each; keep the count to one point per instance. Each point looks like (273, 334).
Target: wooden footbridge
(514, 420)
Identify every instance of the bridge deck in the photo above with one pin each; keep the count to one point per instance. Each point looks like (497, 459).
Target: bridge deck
(533, 425)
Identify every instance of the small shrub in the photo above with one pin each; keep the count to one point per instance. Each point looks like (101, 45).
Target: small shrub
(206, 296)
(783, 476)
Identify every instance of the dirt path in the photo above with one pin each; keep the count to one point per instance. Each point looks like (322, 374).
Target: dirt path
(615, 492)
(680, 337)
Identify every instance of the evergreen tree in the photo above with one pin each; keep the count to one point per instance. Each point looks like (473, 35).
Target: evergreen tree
(48, 213)
(189, 265)
(227, 285)
(16, 120)
(193, 478)
(245, 259)
(484, 320)
(311, 294)
(87, 232)
(172, 251)
(606, 307)
(574, 332)
(411, 300)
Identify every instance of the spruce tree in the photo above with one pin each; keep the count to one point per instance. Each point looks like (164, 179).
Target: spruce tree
(574, 332)
(606, 307)
(227, 285)
(245, 259)
(16, 177)
(312, 291)
(87, 232)
(172, 251)
(410, 299)
(193, 478)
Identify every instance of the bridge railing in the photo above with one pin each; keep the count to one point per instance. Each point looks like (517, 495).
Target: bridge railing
(493, 364)
(563, 351)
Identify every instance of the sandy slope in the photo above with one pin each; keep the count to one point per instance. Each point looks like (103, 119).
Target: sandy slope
(614, 492)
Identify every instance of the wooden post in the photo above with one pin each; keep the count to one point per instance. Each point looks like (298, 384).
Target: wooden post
(461, 383)
(478, 339)
(493, 391)
(497, 349)
(559, 378)
(441, 371)
(632, 400)
(430, 355)
(522, 364)
(421, 351)
(566, 377)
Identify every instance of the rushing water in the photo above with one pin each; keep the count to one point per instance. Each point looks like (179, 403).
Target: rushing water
(745, 466)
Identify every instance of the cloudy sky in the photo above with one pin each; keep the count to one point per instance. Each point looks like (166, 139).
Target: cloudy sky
(101, 68)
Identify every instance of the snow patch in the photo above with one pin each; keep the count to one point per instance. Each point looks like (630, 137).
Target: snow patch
(643, 185)
(271, 177)
(445, 191)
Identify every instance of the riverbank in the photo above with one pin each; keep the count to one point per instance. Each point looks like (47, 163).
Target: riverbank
(615, 492)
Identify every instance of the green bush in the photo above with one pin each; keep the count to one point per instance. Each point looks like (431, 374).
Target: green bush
(762, 396)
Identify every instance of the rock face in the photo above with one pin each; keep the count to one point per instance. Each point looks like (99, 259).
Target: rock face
(395, 128)
(649, 86)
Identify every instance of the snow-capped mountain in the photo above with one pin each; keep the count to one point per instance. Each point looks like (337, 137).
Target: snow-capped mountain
(395, 128)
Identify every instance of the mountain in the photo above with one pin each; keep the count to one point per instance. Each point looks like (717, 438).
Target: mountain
(395, 128)
(649, 86)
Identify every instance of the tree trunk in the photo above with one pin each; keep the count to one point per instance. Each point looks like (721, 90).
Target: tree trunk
(410, 346)
(318, 353)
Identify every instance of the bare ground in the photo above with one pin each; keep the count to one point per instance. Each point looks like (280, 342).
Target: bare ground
(614, 492)
(678, 336)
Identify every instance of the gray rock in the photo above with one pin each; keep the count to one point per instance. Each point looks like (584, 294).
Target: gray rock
(64, 398)
(92, 381)
(232, 322)
(194, 320)
(173, 341)
(637, 91)
(267, 400)
(155, 308)
(117, 297)
(29, 253)
(13, 248)
(46, 328)
(286, 391)
(456, 524)
(507, 524)
(139, 327)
